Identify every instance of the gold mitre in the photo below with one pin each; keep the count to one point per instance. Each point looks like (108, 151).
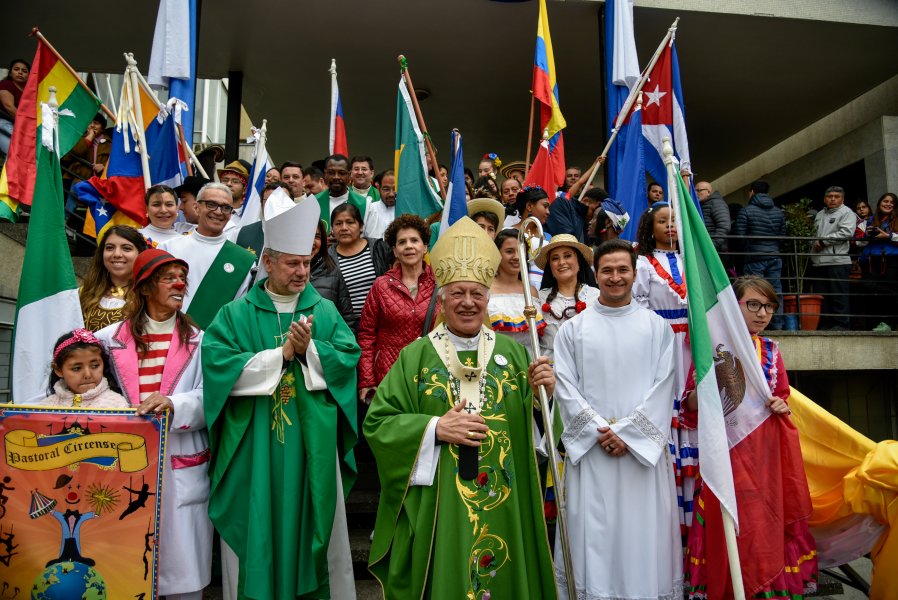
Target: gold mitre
(464, 252)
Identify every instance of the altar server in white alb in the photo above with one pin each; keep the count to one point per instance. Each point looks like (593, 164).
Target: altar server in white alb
(615, 370)
(220, 270)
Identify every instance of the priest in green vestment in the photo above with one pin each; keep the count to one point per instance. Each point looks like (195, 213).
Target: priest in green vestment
(280, 402)
(463, 387)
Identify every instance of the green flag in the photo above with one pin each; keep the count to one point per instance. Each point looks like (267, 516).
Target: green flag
(48, 304)
(414, 192)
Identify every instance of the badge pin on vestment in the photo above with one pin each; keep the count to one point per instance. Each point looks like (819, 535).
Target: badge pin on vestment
(500, 360)
(228, 268)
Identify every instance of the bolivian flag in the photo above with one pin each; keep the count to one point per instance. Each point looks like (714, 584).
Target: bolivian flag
(77, 106)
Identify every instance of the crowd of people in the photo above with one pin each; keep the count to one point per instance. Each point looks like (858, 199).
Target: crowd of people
(275, 346)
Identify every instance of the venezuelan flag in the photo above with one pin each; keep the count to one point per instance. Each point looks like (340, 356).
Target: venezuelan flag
(545, 89)
(77, 106)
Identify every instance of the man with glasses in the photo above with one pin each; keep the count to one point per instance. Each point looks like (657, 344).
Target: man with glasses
(716, 214)
(337, 176)
(219, 268)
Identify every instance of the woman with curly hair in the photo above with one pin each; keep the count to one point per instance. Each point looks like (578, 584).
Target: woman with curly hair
(396, 308)
(107, 283)
(568, 286)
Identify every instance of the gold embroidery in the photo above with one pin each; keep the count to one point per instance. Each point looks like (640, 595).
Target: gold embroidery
(285, 392)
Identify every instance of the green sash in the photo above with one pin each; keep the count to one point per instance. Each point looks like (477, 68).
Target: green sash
(221, 283)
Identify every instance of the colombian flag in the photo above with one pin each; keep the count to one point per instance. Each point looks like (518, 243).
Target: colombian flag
(545, 90)
(77, 106)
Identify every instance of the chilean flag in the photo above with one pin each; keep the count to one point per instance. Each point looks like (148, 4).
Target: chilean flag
(338, 125)
(662, 115)
(550, 174)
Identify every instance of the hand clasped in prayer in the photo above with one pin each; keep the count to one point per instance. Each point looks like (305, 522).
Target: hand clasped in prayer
(298, 338)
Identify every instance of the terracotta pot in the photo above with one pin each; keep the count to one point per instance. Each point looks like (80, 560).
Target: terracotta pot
(810, 309)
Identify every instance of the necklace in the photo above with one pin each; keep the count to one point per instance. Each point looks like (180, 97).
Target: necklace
(466, 382)
(118, 291)
(578, 307)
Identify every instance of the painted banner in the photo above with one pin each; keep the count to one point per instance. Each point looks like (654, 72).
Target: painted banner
(80, 499)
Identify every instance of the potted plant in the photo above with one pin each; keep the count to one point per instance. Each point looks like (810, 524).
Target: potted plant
(800, 224)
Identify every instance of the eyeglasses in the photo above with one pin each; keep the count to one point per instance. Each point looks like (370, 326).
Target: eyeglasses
(225, 209)
(755, 306)
(230, 180)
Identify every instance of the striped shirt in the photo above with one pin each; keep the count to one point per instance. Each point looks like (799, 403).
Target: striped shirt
(359, 274)
(150, 364)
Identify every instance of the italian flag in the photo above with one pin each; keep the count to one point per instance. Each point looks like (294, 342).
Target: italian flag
(48, 304)
(77, 107)
(414, 192)
(748, 456)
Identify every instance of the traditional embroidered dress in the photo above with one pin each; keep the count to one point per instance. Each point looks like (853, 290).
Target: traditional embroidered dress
(282, 440)
(219, 272)
(564, 307)
(437, 535)
(777, 551)
(507, 317)
(98, 397)
(156, 235)
(110, 309)
(661, 287)
(615, 368)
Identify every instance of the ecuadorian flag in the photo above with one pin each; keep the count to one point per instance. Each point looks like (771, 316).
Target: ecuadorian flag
(77, 106)
(545, 90)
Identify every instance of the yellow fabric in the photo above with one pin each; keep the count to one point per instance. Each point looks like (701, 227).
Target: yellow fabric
(464, 252)
(850, 474)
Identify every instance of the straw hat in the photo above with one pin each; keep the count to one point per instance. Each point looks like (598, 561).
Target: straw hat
(487, 205)
(562, 239)
(515, 165)
(237, 168)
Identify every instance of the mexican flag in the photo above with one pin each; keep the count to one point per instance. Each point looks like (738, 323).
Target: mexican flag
(748, 456)
(414, 192)
(48, 304)
(77, 107)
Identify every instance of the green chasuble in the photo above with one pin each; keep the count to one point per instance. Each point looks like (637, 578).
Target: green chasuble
(273, 473)
(458, 539)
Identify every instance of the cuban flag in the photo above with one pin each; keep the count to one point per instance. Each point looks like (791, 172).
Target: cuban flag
(663, 116)
(550, 155)
(622, 73)
(337, 140)
(252, 207)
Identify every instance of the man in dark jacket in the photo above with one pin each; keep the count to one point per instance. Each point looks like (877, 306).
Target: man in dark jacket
(762, 218)
(716, 214)
(569, 215)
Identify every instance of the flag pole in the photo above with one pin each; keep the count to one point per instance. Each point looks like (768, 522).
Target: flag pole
(333, 129)
(524, 252)
(729, 525)
(146, 87)
(131, 72)
(529, 136)
(631, 98)
(35, 32)
(403, 64)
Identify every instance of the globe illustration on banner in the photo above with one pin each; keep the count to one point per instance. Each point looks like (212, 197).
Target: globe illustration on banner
(68, 581)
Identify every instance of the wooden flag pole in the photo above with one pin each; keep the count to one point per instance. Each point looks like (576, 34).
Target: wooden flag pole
(35, 32)
(403, 64)
(131, 72)
(631, 98)
(529, 136)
